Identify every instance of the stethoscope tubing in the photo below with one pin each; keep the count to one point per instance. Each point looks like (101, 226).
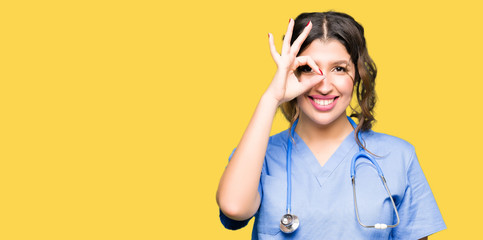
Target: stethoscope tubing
(363, 154)
(289, 167)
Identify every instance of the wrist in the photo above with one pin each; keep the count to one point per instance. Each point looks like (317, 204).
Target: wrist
(270, 100)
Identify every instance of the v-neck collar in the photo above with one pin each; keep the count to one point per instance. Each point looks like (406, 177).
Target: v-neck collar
(302, 151)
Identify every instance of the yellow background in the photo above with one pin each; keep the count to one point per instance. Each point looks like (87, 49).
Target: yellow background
(117, 117)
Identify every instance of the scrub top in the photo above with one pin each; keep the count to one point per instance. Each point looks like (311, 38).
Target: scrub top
(322, 196)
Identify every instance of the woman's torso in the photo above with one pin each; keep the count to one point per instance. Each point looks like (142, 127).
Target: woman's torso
(322, 196)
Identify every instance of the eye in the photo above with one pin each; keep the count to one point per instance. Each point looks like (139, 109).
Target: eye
(304, 69)
(339, 69)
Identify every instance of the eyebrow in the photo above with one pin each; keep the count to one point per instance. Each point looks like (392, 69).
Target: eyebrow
(341, 62)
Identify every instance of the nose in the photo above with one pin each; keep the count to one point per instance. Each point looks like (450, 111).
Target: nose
(325, 86)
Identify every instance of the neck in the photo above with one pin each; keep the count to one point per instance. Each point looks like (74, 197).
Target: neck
(310, 131)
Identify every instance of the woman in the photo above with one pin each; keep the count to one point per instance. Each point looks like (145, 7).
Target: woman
(323, 60)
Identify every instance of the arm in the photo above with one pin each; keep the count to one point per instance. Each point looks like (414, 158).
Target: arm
(237, 194)
(418, 211)
(424, 238)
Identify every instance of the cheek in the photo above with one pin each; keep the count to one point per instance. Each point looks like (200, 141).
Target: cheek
(303, 103)
(346, 87)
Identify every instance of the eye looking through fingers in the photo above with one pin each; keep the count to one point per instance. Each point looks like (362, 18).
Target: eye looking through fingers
(304, 69)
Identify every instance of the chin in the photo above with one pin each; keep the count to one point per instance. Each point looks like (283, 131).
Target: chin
(323, 119)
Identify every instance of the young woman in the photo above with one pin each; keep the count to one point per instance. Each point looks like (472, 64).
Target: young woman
(322, 178)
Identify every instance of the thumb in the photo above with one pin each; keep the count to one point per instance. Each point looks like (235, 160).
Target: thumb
(311, 82)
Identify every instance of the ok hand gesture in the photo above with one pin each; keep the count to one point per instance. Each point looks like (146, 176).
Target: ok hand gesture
(285, 85)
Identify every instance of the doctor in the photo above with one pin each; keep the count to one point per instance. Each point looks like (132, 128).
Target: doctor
(323, 61)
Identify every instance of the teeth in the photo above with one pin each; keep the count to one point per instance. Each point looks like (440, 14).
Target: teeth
(323, 102)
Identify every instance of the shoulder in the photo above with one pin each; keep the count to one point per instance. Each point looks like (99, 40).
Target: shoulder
(385, 142)
(278, 140)
(390, 148)
(275, 155)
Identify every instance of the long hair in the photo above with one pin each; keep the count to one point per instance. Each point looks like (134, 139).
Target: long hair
(343, 28)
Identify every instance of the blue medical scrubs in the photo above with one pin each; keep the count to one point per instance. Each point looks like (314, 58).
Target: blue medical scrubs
(322, 195)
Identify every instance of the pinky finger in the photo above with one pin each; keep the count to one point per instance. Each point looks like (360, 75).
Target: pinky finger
(273, 50)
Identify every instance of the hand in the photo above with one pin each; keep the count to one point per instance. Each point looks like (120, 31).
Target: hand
(285, 86)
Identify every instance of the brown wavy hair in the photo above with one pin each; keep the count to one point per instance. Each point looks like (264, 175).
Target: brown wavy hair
(343, 28)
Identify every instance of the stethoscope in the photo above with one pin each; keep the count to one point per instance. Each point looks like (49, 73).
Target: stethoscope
(289, 222)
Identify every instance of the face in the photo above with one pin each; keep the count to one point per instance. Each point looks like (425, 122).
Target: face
(327, 101)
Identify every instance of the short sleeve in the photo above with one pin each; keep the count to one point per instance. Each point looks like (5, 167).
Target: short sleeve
(419, 214)
(229, 223)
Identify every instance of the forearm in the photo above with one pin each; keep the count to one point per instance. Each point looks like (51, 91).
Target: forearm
(237, 194)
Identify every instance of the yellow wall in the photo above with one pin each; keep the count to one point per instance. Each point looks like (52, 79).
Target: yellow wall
(117, 117)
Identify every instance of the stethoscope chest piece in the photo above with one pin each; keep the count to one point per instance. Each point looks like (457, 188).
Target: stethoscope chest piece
(289, 223)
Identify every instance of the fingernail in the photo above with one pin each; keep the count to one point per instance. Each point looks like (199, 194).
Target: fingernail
(321, 73)
(308, 23)
(269, 35)
(289, 20)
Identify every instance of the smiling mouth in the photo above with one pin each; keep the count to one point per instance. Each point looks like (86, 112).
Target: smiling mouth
(323, 102)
